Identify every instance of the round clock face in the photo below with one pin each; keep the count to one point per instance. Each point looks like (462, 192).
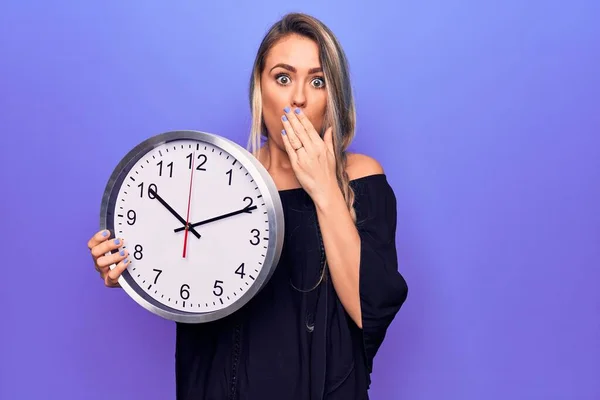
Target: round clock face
(202, 222)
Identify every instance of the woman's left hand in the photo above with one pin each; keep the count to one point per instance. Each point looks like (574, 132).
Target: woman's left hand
(312, 158)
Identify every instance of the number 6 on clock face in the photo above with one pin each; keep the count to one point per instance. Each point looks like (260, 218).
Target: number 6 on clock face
(202, 221)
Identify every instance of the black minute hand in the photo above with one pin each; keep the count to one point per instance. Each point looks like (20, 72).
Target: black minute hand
(231, 214)
(168, 207)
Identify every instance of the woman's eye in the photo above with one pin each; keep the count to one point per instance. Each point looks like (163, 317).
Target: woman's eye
(283, 80)
(318, 83)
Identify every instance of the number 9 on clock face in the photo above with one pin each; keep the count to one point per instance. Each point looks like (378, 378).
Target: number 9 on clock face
(202, 221)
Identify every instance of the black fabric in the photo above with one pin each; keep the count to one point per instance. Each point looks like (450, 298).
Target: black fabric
(293, 343)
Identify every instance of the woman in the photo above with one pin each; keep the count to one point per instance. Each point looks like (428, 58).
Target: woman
(313, 331)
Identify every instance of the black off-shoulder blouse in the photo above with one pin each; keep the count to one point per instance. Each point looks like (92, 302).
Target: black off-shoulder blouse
(293, 343)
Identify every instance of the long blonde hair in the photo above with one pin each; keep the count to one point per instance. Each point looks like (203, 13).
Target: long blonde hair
(340, 110)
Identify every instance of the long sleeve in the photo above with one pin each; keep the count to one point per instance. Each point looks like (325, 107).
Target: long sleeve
(382, 288)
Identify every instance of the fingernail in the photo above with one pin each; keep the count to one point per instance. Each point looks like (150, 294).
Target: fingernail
(122, 253)
(117, 241)
(287, 109)
(283, 132)
(297, 110)
(105, 233)
(284, 118)
(125, 261)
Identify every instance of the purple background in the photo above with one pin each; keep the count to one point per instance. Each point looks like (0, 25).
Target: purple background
(486, 118)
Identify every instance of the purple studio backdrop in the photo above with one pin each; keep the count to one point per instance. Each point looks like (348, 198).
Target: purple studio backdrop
(485, 117)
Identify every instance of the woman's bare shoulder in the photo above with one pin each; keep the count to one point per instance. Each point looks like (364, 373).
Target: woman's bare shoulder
(362, 165)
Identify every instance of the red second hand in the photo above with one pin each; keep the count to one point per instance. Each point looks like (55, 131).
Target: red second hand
(187, 219)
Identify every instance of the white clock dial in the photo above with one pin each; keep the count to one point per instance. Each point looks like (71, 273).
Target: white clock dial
(219, 259)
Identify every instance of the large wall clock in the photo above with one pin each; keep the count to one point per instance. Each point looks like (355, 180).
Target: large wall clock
(202, 221)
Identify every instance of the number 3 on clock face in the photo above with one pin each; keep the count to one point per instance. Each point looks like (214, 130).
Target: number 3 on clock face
(232, 212)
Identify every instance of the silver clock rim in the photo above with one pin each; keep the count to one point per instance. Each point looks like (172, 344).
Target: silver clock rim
(267, 188)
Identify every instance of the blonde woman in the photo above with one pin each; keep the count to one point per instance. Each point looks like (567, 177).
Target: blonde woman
(314, 330)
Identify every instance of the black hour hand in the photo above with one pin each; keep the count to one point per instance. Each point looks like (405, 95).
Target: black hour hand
(172, 211)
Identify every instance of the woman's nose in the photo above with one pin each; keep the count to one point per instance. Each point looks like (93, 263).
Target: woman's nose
(298, 97)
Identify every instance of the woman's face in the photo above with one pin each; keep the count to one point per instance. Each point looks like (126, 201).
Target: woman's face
(292, 78)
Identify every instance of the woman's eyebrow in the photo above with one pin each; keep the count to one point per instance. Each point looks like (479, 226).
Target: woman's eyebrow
(292, 69)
